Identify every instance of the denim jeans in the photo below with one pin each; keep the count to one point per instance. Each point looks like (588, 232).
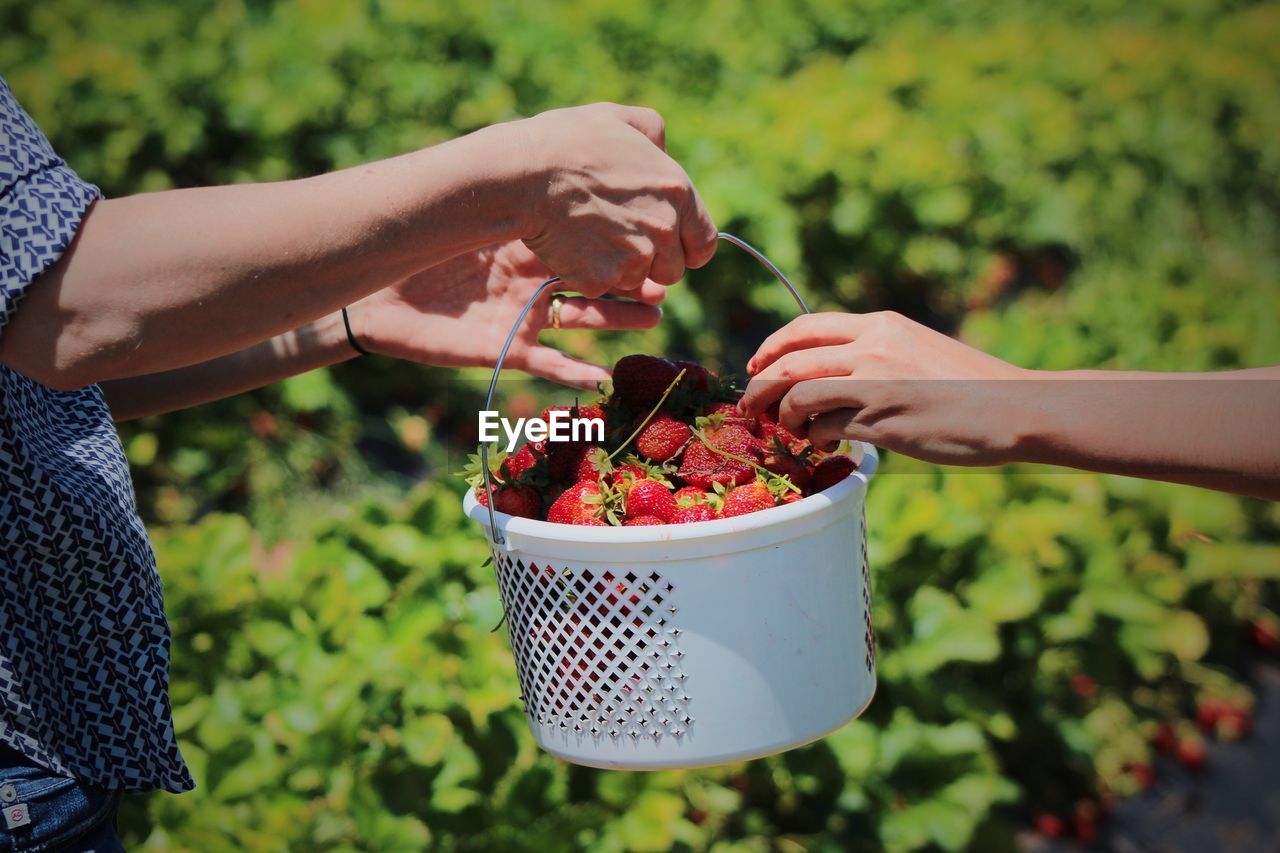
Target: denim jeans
(48, 812)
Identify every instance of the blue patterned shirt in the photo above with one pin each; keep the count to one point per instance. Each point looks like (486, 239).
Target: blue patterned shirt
(84, 646)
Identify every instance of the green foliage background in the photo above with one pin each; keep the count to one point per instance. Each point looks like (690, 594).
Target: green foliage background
(1089, 183)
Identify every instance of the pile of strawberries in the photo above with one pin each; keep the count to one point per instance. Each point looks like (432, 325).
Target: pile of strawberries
(676, 450)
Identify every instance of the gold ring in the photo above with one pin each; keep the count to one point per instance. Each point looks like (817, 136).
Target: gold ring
(556, 304)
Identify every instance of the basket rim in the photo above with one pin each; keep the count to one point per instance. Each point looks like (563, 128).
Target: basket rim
(778, 515)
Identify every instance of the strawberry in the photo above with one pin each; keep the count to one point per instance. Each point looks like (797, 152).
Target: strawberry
(589, 521)
(731, 415)
(1234, 723)
(770, 428)
(649, 497)
(1209, 711)
(522, 461)
(831, 470)
(562, 459)
(592, 463)
(639, 381)
(1048, 825)
(1265, 634)
(704, 466)
(792, 497)
(696, 376)
(580, 499)
(520, 501)
(751, 497)
(662, 438)
(592, 411)
(1084, 686)
(690, 496)
(782, 463)
(1165, 738)
(696, 512)
(1144, 775)
(634, 469)
(1191, 753)
(642, 521)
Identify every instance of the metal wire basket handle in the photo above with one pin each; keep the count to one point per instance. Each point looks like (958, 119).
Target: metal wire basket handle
(502, 355)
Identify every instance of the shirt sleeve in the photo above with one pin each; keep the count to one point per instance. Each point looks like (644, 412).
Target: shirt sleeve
(42, 202)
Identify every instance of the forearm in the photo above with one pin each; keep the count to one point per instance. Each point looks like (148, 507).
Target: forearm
(163, 280)
(1216, 430)
(318, 344)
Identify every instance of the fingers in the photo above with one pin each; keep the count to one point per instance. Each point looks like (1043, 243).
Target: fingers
(772, 384)
(817, 396)
(811, 330)
(548, 363)
(827, 430)
(667, 266)
(578, 312)
(647, 121)
(698, 235)
(650, 293)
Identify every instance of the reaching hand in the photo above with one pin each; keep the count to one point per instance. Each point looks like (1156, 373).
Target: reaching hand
(608, 209)
(458, 314)
(890, 381)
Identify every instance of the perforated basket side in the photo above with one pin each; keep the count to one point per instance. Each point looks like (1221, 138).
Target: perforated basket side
(596, 649)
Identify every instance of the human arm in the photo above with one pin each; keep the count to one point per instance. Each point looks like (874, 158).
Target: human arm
(456, 314)
(165, 280)
(897, 384)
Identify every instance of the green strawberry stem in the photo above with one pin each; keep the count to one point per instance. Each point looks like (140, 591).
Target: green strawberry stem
(652, 412)
(760, 469)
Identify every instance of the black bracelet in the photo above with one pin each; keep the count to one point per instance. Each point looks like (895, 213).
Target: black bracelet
(351, 337)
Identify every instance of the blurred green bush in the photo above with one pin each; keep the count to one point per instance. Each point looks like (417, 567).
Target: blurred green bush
(1064, 184)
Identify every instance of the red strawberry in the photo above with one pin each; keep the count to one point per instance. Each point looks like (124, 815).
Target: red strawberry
(770, 428)
(578, 500)
(1209, 711)
(1144, 775)
(831, 470)
(696, 376)
(1234, 723)
(624, 475)
(589, 521)
(520, 501)
(1191, 753)
(562, 459)
(704, 467)
(642, 521)
(729, 412)
(784, 464)
(690, 496)
(519, 462)
(1084, 686)
(751, 497)
(639, 381)
(592, 463)
(792, 497)
(1265, 634)
(1165, 738)
(649, 497)
(662, 438)
(591, 411)
(1050, 826)
(696, 512)
(1084, 823)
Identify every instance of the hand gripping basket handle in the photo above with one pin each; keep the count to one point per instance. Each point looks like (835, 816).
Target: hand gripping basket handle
(497, 368)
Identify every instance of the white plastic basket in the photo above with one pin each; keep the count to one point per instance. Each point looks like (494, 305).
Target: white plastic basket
(647, 648)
